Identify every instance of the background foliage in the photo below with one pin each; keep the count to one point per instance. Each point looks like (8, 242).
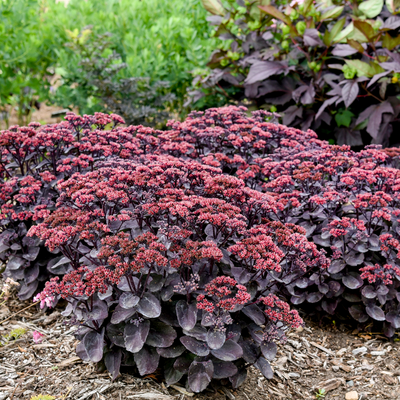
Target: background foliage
(158, 41)
(28, 51)
(332, 66)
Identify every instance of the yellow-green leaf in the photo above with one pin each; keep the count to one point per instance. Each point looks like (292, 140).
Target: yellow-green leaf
(392, 5)
(365, 69)
(390, 42)
(332, 13)
(371, 8)
(214, 7)
(342, 34)
(337, 28)
(358, 36)
(306, 5)
(355, 45)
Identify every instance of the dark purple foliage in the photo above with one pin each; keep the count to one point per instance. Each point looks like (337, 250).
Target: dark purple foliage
(332, 69)
(175, 267)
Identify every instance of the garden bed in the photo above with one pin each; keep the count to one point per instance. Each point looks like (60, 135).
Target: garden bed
(341, 360)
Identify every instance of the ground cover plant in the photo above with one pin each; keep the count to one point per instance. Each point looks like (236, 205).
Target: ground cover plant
(347, 202)
(175, 266)
(182, 249)
(331, 66)
(32, 160)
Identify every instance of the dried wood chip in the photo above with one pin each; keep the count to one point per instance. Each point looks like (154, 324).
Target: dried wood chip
(182, 390)
(150, 396)
(69, 361)
(331, 384)
(327, 351)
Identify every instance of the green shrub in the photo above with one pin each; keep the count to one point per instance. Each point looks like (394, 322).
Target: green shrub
(162, 41)
(332, 66)
(28, 50)
(97, 83)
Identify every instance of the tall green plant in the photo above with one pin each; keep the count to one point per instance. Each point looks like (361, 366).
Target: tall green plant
(97, 83)
(161, 40)
(27, 54)
(329, 65)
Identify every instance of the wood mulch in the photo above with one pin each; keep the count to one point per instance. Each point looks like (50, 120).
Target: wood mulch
(313, 358)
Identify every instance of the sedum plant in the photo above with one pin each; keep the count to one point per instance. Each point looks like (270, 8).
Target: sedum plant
(32, 160)
(347, 202)
(332, 66)
(175, 266)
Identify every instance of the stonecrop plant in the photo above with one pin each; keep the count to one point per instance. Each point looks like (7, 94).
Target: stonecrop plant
(181, 250)
(175, 266)
(347, 202)
(32, 160)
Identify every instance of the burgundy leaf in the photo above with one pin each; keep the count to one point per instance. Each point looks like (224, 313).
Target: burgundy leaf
(121, 314)
(269, 350)
(32, 253)
(350, 92)
(325, 104)
(198, 332)
(128, 300)
(194, 346)
(254, 313)
(393, 22)
(336, 266)
(215, 338)
(358, 313)
(343, 50)
(200, 375)
(290, 114)
(149, 306)
(354, 258)
(27, 290)
(91, 346)
(146, 360)
(116, 334)
(172, 375)
(352, 280)
(311, 38)
(99, 310)
(329, 306)
(375, 119)
(377, 77)
(186, 314)
(394, 318)
(112, 360)
(224, 369)
(314, 297)
(171, 352)
(230, 351)
(265, 368)
(369, 292)
(239, 378)
(135, 335)
(376, 313)
(262, 70)
(160, 335)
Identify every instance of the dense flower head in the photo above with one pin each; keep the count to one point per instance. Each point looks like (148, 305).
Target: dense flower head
(278, 310)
